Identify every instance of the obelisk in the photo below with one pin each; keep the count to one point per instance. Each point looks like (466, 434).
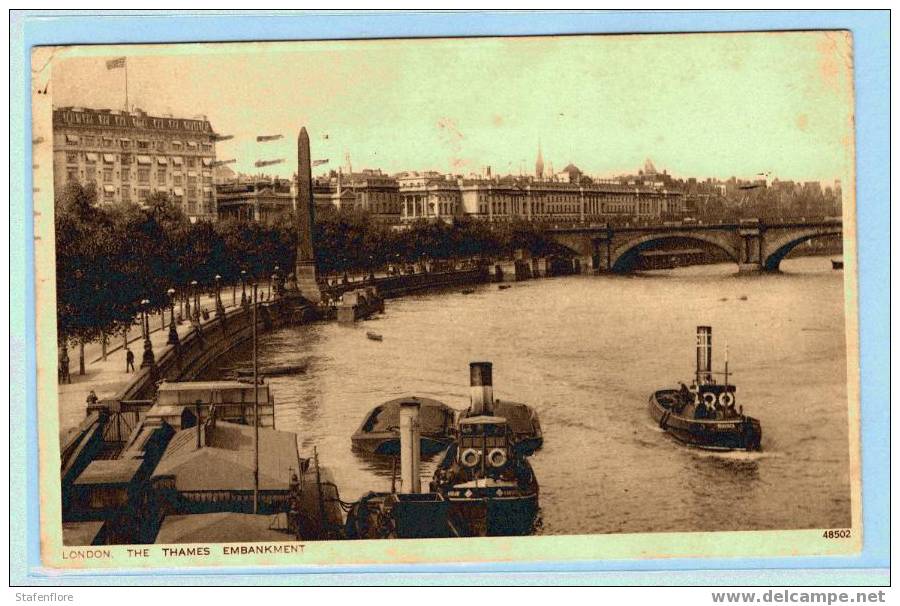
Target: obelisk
(306, 259)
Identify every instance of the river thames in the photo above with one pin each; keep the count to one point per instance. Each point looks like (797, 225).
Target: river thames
(586, 352)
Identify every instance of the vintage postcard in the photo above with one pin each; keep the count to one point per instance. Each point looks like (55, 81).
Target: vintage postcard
(475, 300)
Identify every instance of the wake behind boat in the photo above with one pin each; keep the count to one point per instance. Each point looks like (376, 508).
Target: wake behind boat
(705, 414)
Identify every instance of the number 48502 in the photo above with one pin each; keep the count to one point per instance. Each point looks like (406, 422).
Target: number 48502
(836, 534)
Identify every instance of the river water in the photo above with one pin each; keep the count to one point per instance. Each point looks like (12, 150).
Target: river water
(586, 352)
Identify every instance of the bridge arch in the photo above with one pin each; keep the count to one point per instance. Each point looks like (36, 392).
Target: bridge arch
(623, 255)
(780, 248)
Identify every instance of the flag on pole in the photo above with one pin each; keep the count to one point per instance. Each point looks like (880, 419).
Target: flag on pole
(115, 63)
(262, 138)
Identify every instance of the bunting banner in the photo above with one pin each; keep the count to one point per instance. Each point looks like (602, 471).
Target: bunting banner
(224, 162)
(263, 138)
(320, 162)
(261, 163)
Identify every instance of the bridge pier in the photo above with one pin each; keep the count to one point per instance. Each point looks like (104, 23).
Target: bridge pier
(750, 268)
(601, 261)
(752, 243)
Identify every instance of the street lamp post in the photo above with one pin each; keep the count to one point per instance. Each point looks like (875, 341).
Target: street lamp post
(276, 280)
(255, 407)
(196, 297)
(148, 359)
(173, 331)
(243, 288)
(220, 308)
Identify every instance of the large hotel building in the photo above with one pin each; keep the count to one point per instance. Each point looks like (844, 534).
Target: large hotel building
(129, 155)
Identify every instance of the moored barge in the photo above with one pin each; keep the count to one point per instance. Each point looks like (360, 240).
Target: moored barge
(379, 433)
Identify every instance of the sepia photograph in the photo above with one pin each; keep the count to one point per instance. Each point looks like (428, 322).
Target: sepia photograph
(447, 299)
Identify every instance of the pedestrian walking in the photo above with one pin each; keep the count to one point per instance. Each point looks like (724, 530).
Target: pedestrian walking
(64, 368)
(129, 360)
(92, 398)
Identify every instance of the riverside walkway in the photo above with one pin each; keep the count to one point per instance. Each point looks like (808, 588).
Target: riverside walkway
(109, 377)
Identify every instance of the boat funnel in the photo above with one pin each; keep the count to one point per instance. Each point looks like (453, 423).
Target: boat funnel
(410, 482)
(481, 380)
(704, 355)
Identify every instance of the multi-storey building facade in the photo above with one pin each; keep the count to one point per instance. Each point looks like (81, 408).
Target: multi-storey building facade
(262, 199)
(129, 155)
(559, 200)
(429, 195)
(370, 190)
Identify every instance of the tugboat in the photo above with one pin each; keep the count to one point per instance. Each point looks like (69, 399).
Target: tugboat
(705, 414)
(488, 482)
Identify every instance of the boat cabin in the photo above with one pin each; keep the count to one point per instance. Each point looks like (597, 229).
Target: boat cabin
(177, 403)
(484, 442)
(710, 401)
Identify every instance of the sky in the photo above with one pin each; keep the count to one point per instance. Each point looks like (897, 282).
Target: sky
(704, 105)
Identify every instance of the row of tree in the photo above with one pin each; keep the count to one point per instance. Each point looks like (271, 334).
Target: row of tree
(109, 258)
(780, 200)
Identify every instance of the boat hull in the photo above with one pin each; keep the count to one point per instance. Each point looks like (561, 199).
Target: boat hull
(388, 444)
(494, 516)
(742, 433)
(489, 506)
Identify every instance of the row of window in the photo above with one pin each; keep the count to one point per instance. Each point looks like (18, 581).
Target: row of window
(143, 176)
(190, 193)
(93, 158)
(141, 144)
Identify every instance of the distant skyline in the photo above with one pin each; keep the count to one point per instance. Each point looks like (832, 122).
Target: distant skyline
(698, 105)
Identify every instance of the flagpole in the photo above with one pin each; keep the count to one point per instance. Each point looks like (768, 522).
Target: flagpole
(126, 84)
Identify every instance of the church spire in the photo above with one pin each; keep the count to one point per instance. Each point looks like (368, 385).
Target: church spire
(539, 163)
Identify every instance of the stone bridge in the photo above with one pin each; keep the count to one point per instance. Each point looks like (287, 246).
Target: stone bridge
(753, 244)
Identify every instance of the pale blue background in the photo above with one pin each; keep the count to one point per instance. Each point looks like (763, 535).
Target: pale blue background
(871, 36)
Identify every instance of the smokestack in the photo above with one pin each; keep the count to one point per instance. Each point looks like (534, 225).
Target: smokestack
(481, 380)
(704, 355)
(410, 483)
